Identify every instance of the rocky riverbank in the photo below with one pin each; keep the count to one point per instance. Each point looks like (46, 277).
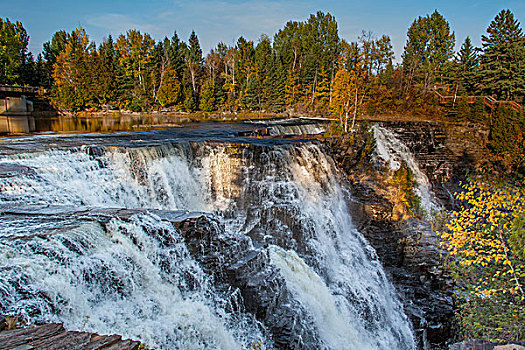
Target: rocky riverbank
(54, 336)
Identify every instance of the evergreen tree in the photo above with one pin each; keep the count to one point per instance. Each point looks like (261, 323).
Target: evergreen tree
(194, 63)
(207, 102)
(170, 88)
(188, 103)
(40, 71)
(263, 61)
(215, 69)
(467, 64)
(502, 67)
(13, 52)
(245, 65)
(429, 50)
(105, 72)
(252, 93)
(176, 52)
(277, 82)
(51, 50)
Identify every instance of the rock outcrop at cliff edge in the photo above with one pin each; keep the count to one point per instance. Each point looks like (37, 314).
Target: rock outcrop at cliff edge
(407, 247)
(54, 336)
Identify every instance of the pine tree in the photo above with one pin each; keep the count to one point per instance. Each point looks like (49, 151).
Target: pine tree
(189, 101)
(467, 64)
(245, 65)
(170, 89)
(263, 61)
(276, 88)
(175, 52)
(105, 72)
(207, 102)
(252, 93)
(429, 50)
(502, 67)
(194, 63)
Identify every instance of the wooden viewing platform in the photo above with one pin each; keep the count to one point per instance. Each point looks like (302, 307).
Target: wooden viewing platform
(489, 101)
(54, 336)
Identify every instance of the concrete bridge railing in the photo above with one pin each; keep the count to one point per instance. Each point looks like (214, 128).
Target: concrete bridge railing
(16, 110)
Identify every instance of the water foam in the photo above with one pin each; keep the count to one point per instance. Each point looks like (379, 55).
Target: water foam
(292, 194)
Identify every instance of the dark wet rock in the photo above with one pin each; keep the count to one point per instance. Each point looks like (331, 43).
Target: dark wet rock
(409, 249)
(234, 262)
(11, 170)
(54, 336)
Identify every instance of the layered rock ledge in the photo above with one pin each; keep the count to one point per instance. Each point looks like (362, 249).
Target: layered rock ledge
(54, 336)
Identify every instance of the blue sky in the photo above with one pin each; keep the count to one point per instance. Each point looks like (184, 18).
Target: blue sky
(226, 20)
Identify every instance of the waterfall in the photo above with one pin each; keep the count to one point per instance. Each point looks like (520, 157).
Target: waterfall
(393, 152)
(296, 201)
(116, 280)
(288, 199)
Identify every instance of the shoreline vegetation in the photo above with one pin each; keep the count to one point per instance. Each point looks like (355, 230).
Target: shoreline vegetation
(304, 69)
(307, 69)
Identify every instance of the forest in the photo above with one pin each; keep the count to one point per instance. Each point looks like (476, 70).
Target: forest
(307, 68)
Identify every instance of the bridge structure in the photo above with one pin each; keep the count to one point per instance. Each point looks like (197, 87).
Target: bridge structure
(16, 109)
(489, 101)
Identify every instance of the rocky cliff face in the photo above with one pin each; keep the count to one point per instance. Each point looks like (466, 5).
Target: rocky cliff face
(281, 260)
(408, 247)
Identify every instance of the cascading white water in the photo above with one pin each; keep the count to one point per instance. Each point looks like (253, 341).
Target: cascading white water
(301, 129)
(122, 178)
(116, 280)
(393, 151)
(335, 274)
(354, 296)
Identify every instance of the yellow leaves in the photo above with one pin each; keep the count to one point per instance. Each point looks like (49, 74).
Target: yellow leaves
(478, 236)
(487, 292)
